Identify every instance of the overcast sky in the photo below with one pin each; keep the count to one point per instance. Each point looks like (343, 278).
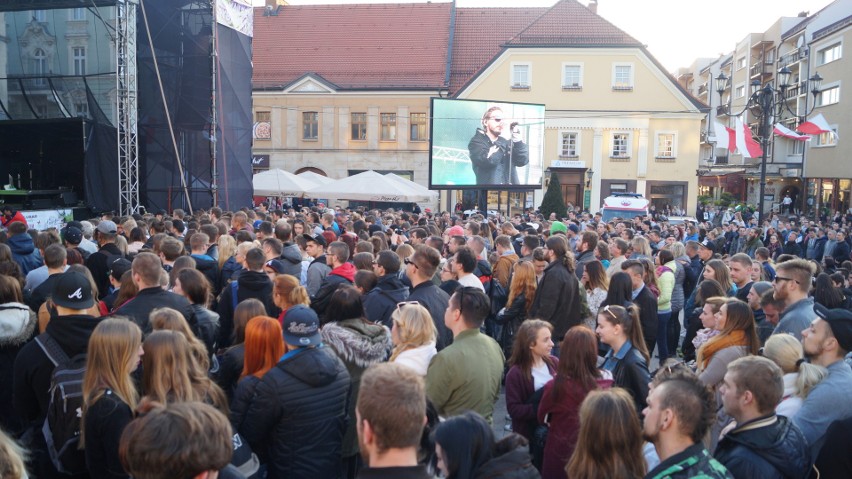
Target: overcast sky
(676, 31)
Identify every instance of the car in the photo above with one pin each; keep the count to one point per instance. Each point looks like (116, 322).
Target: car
(679, 220)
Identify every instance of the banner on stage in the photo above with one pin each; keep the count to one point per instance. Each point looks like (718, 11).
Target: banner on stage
(43, 219)
(236, 14)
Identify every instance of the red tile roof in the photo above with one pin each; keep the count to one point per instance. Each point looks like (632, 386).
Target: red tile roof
(570, 23)
(365, 46)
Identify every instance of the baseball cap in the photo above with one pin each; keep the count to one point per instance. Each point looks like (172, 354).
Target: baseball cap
(72, 290)
(72, 234)
(574, 228)
(761, 287)
(118, 267)
(107, 227)
(276, 266)
(318, 239)
(840, 322)
(301, 326)
(707, 244)
(558, 227)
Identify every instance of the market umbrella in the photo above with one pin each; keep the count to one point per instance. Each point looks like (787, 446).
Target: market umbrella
(280, 183)
(369, 186)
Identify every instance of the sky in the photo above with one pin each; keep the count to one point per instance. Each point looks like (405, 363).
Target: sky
(675, 31)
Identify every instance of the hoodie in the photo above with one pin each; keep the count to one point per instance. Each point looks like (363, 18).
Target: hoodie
(24, 252)
(767, 447)
(343, 274)
(250, 284)
(17, 326)
(291, 256)
(209, 267)
(381, 301)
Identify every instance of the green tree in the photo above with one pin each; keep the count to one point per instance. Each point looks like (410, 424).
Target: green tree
(553, 201)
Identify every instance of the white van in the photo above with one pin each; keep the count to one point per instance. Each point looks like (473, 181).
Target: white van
(625, 206)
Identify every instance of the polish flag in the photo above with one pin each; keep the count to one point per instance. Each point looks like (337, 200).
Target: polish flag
(745, 142)
(782, 130)
(815, 126)
(725, 137)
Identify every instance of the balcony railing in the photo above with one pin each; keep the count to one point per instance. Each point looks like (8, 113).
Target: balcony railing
(793, 57)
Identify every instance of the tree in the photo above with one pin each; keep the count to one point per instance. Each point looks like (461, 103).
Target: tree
(553, 202)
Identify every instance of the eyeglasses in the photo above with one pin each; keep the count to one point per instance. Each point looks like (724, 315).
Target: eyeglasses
(400, 305)
(408, 261)
(781, 278)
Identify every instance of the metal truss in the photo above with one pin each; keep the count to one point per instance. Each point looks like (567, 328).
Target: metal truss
(126, 100)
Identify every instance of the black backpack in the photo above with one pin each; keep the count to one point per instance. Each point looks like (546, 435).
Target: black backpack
(62, 425)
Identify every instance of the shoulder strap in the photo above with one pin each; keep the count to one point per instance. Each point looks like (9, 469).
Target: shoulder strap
(234, 301)
(51, 348)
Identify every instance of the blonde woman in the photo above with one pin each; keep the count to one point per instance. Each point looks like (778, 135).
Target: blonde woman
(12, 458)
(800, 376)
(172, 320)
(227, 259)
(109, 393)
(413, 333)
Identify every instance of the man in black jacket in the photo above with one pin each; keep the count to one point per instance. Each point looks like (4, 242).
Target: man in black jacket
(208, 266)
(557, 300)
(252, 283)
(98, 263)
(298, 415)
(420, 268)
(495, 157)
(645, 299)
(762, 444)
(147, 270)
(291, 255)
(381, 301)
(342, 272)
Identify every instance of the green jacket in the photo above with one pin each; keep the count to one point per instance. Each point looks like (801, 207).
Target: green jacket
(666, 283)
(466, 375)
(692, 462)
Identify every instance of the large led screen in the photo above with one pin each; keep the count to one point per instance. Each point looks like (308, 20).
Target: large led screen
(486, 145)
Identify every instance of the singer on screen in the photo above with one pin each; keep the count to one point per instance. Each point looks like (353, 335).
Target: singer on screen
(493, 156)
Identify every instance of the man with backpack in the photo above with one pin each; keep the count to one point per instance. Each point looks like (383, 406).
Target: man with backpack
(44, 366)
(251, 283)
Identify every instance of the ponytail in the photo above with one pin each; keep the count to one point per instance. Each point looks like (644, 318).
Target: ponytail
(809, 376)
(628, 319)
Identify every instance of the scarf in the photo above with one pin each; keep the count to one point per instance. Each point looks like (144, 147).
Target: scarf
(718, 343)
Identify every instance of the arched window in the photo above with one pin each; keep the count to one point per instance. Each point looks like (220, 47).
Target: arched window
(39, 66)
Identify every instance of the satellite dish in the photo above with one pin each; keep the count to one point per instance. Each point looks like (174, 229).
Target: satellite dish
(800, 42)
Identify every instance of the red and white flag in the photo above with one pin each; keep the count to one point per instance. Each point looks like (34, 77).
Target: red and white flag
(782, 130)
(725, 137)
(745, 142)
(815, 126)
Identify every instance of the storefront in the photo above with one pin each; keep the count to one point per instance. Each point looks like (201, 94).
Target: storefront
(713, 185)
(831, 193)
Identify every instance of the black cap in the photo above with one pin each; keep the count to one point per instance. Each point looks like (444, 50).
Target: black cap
(301, 326)
(707, 244)
(118, 267)
(72, 290)
(318, 239)
(72, 234)
(276, 265)
(840, 322)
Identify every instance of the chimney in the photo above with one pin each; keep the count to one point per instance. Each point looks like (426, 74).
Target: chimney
(593, 6)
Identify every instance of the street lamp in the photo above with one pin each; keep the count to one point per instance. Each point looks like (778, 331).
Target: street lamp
(768, 104)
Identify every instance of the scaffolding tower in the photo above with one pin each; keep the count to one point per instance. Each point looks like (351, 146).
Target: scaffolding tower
(126, 101)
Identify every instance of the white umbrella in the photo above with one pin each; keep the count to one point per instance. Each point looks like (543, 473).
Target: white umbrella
(433, 195)
(315, 177)
(280, 183)
(369, 186)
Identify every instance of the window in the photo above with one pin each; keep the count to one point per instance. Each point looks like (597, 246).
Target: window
(620, 145)
(419, 127)
(740, 91)
(795, 147)
(521, 76)
(79, 54)
(359, 126)
(40, 15)
(388, 126)
(741, 63)
(828, 139)
(828, 96)
(39, 66)
(569, 144)
(666, 145)
(622, 77)
(78, 14)
(310, 125)
(260, 116)
(572, 77)
(81, 109)
(829, 53)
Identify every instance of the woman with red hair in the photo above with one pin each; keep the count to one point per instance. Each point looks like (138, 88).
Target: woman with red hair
(264, 346)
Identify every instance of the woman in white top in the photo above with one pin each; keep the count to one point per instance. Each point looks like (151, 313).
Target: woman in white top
(800, 376)
(596, 283)
(532, 366)
(413, 333)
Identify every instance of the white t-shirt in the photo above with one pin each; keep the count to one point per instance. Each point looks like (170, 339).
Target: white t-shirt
(541, 376)
(471, 281)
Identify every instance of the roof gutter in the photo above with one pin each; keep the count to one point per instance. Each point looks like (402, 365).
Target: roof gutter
(448, 68)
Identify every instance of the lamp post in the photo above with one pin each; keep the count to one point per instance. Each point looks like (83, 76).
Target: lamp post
(768, 104)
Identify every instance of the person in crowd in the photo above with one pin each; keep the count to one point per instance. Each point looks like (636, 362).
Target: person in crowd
(530, 367)
(10, 215)
(194, 286)
(717, 270)
(209, 267)
(170, 319)
(627, 360)
(147, 271)
(841, 251)
(23, 247)
(98, 263)
(19, 327)
(317, 269)
(359, 343)
(618, 248)
(232, 359)
(665, 274)
(585, 252)
(109, 394)
(342, 272)
(265, 346)
(557, 299)
(763, 444)
(602, 254)
(466, 375)
(381, 301)
(287, 292)
(390, 415)
(577, 374)
(12, 458)
(800, 376)
(297, 417)
(792, 283)
(464, 263)
(507, 259)
(228, 262)
(737, 338)
(707, 317)
(55, 260)
(116, 274)
(414, 337)
(609, 442)
(827, 294)
(826, 343)
(465, 448)
(596, 283)
(521, 297)
(251, 283)
(646, 300)
(740, 271)
(184, 439)
(764, 327)
(420, 269)
(693, 319)
(680, 412)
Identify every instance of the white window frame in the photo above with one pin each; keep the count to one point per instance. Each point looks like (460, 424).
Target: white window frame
(517, 85)
(831, 46)
(738, 93)
(795, 147)
(77, 14)
(742, 62)
(631, 81)
(307, 133)
(820, 99)
(579, 85)
(387, 130)
(628, 145)
(78, 60)
(40, 15)
(657, 152)
(412, 124)
(561, 150)
(830, 140)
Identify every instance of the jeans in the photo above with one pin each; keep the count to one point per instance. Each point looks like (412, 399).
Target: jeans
(662, 335)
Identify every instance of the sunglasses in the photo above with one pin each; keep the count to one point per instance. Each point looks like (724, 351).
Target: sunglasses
(408, 261)
(402, 304)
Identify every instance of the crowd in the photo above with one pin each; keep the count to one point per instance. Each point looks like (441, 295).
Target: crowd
(340, 343)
